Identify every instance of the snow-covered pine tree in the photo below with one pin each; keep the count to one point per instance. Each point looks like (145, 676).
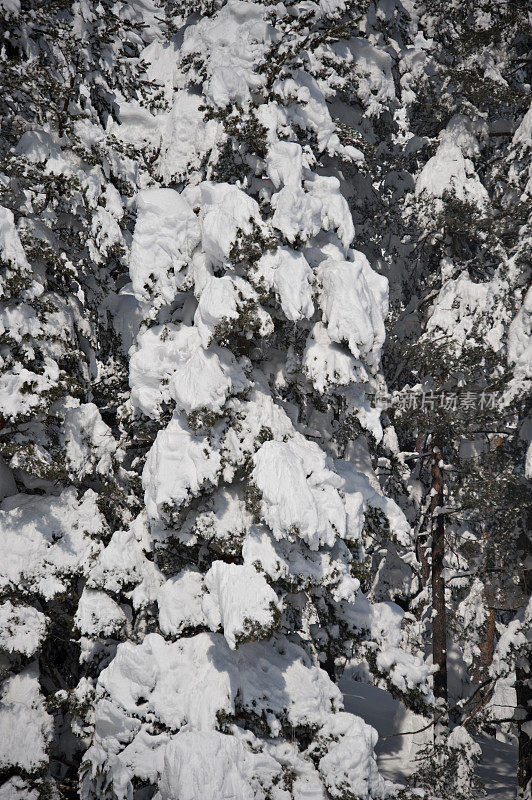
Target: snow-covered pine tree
(62, 374)
(198, 539)
(207, 163)
(261, 338)
(461, 254)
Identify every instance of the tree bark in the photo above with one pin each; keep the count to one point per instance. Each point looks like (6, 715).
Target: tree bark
(523, 675)
(439, 617)
(483, 662)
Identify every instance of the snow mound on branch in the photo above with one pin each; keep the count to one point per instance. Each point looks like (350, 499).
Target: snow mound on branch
(170, 363)
(361, 496)
(327, 363)
(22, 628)
(184, 774)
(231, 44)
(302, 213)
(181, 136)
(349, 762)
(404, 670)
(304, 105)
(17, 788)
(25, 723)
(284, 164)
(166, 233)
(299, 492)
(288, 273)
(240, 601)
(10, 6)
(258, 416)
(178, 466)
(189, 685)
(520, 339)
(223, 210)
(88, 441)
(98, 614)
(451, 168)
(523, 134)
(22, 391)
(354, 301)
(12, 252)
(223, 520)
(179, 600)
(462, 306)
(335, 214)
(297, 214)
(373, 68)
(123, 563)
(226, 301)
(191, 680)
(185, 137)
(305, 569)
(243, 767)
(46, 540)
(19, 322)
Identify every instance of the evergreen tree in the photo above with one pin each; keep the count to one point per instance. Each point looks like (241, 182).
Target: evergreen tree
(228, 230)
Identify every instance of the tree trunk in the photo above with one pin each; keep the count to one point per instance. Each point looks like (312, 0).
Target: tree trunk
(439, 620)
(422, 549)
(484, 660)
(523, 675)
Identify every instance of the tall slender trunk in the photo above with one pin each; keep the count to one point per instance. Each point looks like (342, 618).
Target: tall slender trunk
(523, 676)
(439, 619)
(483, 661)
(422, 553)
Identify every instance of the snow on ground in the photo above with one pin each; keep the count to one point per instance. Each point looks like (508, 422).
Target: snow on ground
(378, 708)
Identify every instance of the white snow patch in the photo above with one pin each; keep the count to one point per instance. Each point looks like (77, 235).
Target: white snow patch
(24, 718)
(240, 601)
(22, 628)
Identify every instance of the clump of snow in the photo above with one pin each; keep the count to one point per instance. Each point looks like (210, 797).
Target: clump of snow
(187, 686)
(179, 464)
(354, 302)
(463, 305)
(88, 442)
(184, 774)
(240, 601)
(299, 491)
(451, 168)
(520, 339)
(23, 715)
(180, 602)
(46, 540)
(224, 302)
(349, 762)
(193, 679)
(12, 253)
(22, 628)
(327, 364)
(15, 399)
(223, 210)
(166, 233)
(288, 273)
(124, 564)
(232, 43)
(98, 614)
(170, 364)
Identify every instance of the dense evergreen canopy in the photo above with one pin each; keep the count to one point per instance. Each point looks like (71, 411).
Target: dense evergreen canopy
(265, 372)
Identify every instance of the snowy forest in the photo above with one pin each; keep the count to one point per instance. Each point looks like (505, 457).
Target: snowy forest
(265, 399)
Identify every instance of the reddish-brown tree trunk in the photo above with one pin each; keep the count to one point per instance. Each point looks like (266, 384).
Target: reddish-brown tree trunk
(439, 616)
(523, 674)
